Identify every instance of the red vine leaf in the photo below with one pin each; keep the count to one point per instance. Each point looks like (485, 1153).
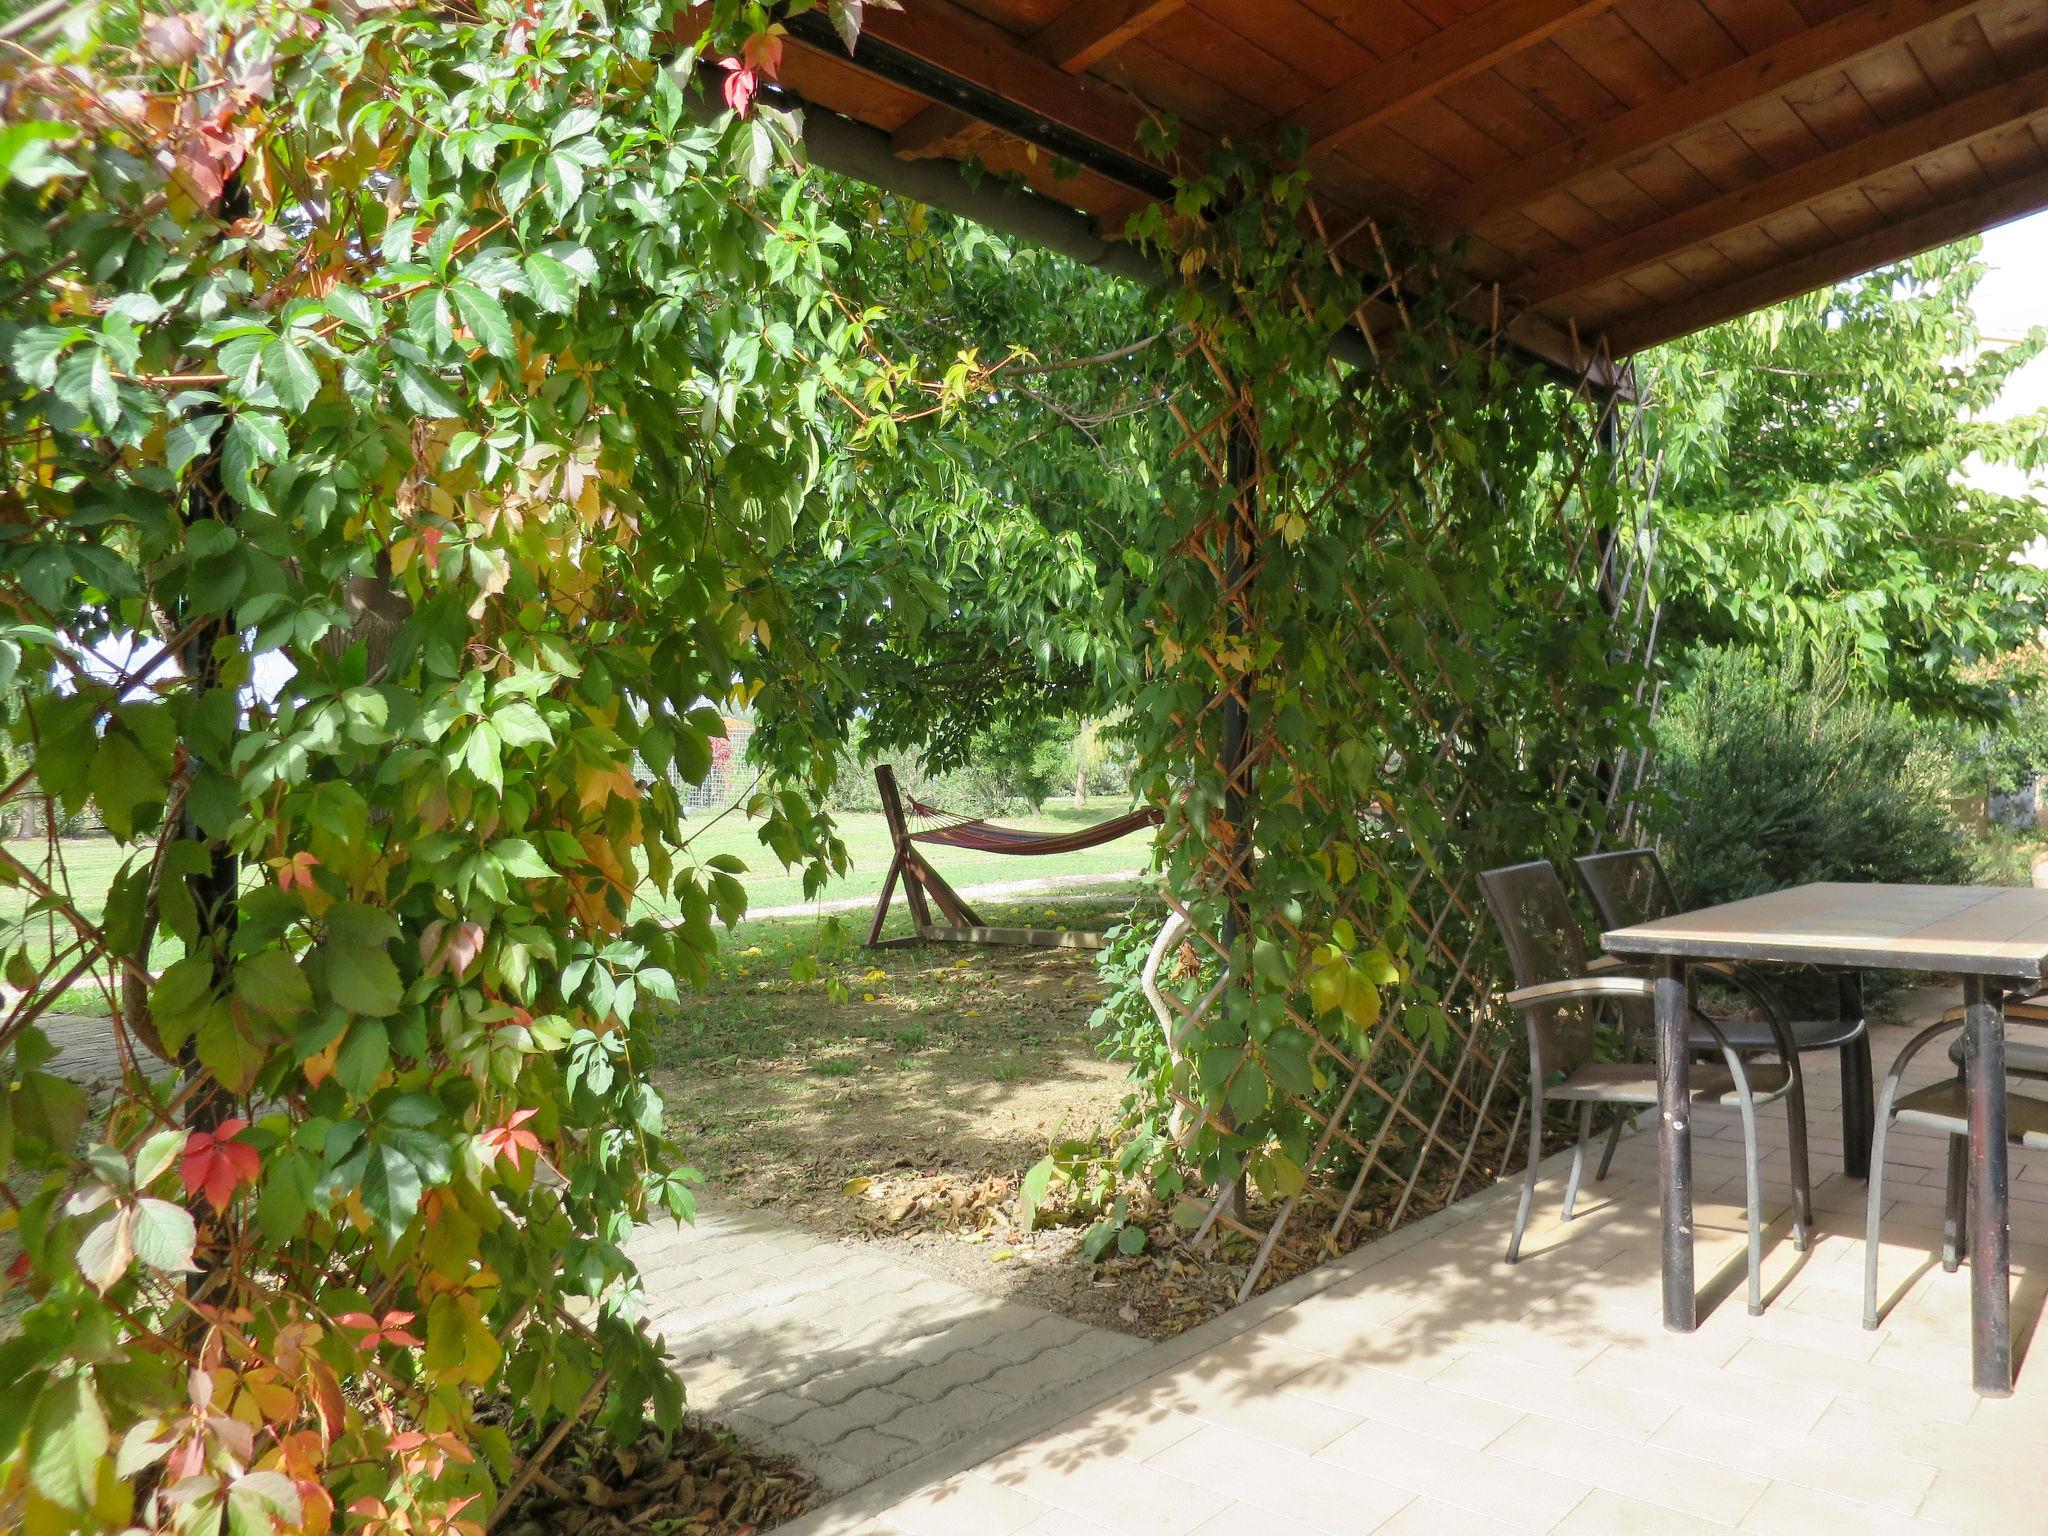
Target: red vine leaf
(216, 1163)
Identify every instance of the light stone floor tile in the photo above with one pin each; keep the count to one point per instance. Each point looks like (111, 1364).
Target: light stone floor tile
(1433, 1517)
(1129, 1498)
(1602, 1513)
(1319, 1496)
(1881, 1477)
(1445, 1393)
(1250, 1520)
(1651, 1473)
(1516, 1495)
(1786, 1509)
(965, 1504)
(1390, 1398)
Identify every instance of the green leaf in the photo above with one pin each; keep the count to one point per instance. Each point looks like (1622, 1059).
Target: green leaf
(28, 152)
(363, 980)
(271, 982)
(1031, 1192)
(291, 373)
(363, 1057)
(520, 859)
(123, 780)
(181, 999)
(190, 439)
(288, 1180)
(108, 1250)
(252, 439)
(353, 308)
(229, 1048)
(104, 393)
(486, 319)
(561, 182)
(39, 349)
(552, 284)
(156, 1157)
(391, 1190)
(261, 1503)
(67, 1440)
(164, 1235)
(425, 394)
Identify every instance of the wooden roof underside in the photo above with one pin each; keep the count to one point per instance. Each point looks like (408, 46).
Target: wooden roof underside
(1628, 169)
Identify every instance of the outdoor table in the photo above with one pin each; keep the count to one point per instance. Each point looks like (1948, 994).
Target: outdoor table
(1995, 938)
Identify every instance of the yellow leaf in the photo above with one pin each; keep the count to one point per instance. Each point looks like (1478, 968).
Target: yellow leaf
(1001, 1254)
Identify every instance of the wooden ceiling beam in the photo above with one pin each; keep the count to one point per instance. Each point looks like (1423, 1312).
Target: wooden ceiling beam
(1834, 263)
(1957, 122)
(1650, 127)
(1073, 43)
(1465, 48)
(955, 42)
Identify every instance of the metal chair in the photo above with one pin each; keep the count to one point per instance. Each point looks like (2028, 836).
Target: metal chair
(1560, 1005)
(1629, 887)
(1945, 1107)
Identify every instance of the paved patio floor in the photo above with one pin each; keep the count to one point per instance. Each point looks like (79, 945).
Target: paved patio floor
(1434, 1391)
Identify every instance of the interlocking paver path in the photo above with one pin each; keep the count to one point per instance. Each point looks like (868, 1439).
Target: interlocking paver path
(1421, 1387)
(841, 1357)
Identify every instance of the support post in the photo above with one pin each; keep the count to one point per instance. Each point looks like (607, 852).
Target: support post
(1241, 464)
(1990, 1226)
(919, 878)
(1674, 1146)
(900, 865)
(1859, 1114)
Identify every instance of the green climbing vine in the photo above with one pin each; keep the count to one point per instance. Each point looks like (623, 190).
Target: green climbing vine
(1376, 656)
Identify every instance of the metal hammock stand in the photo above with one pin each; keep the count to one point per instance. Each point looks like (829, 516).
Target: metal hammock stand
(922, 883)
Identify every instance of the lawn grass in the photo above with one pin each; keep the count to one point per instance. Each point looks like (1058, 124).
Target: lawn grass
(89, 864)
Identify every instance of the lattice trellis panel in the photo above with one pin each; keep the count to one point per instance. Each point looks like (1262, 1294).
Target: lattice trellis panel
(1451, 768)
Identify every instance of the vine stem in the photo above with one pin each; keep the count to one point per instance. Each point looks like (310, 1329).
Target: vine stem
(537, 1462)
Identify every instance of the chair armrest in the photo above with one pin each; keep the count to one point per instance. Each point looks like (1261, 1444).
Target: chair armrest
(1581, 987)
(1745, 979)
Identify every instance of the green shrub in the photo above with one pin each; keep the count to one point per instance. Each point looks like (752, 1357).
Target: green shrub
(1775, 772)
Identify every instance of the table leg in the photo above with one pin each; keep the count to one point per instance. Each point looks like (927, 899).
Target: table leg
(1674, 1146)
(1990, 1233)
(1858, 1089)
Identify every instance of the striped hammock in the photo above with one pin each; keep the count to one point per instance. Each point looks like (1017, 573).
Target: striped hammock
(949, 830)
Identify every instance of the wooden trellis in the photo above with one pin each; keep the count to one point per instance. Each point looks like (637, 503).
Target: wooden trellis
(1406, 1119)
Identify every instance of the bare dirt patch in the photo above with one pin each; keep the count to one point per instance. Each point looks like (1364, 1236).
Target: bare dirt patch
(905, 1109)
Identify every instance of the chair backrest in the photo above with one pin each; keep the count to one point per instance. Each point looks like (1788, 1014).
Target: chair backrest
(1626, 887)
(1544, 943)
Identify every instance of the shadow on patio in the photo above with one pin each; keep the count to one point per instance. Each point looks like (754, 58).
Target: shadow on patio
(1436, 1389)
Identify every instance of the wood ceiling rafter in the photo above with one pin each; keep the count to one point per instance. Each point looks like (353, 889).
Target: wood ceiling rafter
(963, 45)
(1073, 43)
(1467, 47)
(1947, 126)
(1815, 51)
(1927, 116)
(1835, 263)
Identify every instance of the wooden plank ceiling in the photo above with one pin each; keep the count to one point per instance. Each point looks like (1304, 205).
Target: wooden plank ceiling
(1628, 169)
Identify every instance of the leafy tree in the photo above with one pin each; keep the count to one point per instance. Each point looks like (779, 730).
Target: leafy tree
(1813, 482)
(471, 372)
(967, 581)
(1775, 769)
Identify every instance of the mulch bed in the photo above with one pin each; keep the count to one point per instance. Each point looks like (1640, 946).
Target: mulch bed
(703, 1481)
